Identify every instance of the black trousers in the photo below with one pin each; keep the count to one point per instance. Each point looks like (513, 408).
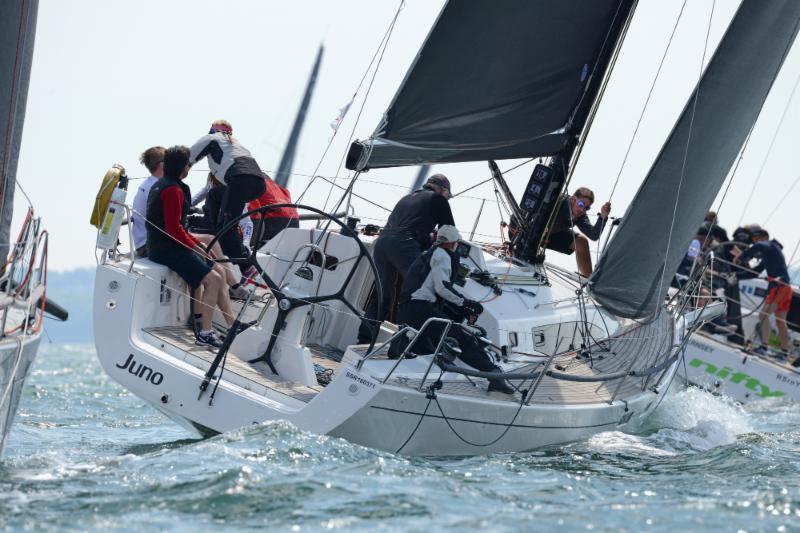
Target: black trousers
(239, 191)
(269, 228)
(393, 254)
(415, 312)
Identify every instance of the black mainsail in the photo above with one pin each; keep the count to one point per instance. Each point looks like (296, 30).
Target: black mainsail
(496, 81)
(17, 32)
(695, 159)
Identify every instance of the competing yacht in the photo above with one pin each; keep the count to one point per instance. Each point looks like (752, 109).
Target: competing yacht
(23, 276)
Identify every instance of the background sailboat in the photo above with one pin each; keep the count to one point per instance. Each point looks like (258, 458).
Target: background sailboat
(23, 277)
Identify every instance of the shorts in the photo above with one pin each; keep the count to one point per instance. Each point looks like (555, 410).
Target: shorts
(781, 297)
(184, 262)
(561, 241)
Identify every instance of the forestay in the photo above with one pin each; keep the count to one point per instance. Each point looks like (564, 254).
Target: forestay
(494, 81)
(633, 274)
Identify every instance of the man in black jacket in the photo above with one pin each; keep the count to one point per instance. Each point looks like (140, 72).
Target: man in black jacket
(572, 212)
(406, 234)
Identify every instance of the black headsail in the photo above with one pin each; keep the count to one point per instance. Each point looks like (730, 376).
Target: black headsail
(696, 158)
(17, 31)
(496, 80)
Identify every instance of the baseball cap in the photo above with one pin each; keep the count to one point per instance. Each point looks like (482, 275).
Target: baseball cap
(440, 180)
(757, 231)
(447, 233)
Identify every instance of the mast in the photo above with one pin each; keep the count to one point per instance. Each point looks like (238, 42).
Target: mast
(17, 33)
(528, 244)
(284, 171)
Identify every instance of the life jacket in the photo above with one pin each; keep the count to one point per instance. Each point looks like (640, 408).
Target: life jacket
(274, 194)
(419, 270)
(157, 237)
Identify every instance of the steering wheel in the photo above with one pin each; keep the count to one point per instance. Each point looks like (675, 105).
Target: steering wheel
(286, 303)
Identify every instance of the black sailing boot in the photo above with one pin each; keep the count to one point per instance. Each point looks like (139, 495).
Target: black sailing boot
(500, 384)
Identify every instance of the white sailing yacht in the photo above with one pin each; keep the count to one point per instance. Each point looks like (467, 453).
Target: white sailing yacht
(516, 79)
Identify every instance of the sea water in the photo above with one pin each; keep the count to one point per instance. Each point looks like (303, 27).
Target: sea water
(85, 454)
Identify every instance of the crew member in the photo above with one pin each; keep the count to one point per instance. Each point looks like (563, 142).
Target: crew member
(171, 245)
(406, 234)
(153, 160)
(716, 231)
(574, 211)
(232, 164)
(275, 220)
(779, 292)
(428, 281)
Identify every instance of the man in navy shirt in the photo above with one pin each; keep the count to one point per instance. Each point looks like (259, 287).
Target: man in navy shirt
(779, 292)
(406, 235)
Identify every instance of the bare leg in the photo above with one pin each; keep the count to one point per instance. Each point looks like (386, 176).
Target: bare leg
(583, 256)
(211, 287)
(224, 300)
(763, 322)
(216, 252)
(783, 331)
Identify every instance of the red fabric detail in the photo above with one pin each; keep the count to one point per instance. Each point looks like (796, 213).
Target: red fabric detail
(275, 194)
(172, 202)
(781, 296)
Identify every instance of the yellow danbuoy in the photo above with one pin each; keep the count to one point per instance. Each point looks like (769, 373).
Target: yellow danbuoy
(110, 182)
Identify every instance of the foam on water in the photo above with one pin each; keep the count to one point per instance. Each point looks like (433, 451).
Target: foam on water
(85, 454)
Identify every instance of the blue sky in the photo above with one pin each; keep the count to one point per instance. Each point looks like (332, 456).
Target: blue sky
(112, 77)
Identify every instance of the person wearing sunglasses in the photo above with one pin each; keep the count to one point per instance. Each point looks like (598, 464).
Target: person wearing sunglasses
(574, 212)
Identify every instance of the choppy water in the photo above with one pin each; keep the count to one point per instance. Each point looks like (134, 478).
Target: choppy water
(85, 454)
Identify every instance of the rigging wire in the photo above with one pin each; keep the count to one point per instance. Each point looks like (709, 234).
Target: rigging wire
(383, 48)
(686, 152)
(358, 88)
(783, 199)
(647, 101)
(769, 149)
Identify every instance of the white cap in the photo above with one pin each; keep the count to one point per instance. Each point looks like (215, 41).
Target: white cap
(447, 233)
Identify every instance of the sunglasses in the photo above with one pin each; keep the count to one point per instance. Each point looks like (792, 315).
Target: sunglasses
(583, 205)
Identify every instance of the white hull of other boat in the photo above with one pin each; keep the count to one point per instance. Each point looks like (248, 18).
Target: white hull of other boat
(408, 406)
(722, 368)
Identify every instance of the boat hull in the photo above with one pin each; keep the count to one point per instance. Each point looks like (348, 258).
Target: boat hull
(723, 369)
(16, 360)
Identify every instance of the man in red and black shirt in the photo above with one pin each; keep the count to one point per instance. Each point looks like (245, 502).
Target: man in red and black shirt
(171, 245)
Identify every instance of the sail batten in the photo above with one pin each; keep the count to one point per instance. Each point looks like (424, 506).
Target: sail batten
(493, 81)
(695, 159)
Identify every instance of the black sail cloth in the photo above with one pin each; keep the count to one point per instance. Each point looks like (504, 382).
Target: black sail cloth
(633, 274)
(17, 32)
(494, 80)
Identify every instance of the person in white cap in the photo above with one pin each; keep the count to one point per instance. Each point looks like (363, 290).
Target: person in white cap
(427, 283)
(406, 234)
